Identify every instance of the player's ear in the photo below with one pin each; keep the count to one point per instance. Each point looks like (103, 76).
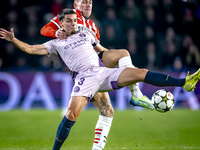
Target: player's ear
(75, 5)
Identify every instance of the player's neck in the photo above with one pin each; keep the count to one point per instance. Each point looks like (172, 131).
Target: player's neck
(71, 34)
(85, 16)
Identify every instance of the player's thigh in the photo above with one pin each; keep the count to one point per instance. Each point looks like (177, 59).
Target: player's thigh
(75, 107)
(110, 58)
(101, 100)
(131, 75)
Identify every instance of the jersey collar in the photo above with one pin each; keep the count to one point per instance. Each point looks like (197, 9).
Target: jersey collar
(84, 16)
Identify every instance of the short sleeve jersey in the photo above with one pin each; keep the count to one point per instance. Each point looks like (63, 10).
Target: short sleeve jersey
(82, 24)
(76, 51)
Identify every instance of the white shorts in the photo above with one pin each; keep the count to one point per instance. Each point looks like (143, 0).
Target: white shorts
(96, 79)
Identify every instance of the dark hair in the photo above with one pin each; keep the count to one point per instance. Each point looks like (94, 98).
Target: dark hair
(64, 12)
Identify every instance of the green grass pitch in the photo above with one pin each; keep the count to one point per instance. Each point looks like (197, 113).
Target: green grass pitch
(35, 130)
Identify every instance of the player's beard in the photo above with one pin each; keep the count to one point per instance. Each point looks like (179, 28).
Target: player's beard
(73, 32)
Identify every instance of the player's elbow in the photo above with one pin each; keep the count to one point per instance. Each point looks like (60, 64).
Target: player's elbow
(143, 71)
(30, 50)
(124, 52)
(42, 31)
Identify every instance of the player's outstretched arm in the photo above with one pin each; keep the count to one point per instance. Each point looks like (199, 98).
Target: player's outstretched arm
(30, 49)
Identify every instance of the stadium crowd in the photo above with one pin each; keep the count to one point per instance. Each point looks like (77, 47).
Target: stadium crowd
(159, 34)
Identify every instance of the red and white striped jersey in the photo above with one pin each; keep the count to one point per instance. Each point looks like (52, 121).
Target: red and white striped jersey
(82, 24)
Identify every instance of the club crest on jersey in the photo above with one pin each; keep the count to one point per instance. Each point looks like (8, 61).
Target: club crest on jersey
(82, 35)
(76, 89)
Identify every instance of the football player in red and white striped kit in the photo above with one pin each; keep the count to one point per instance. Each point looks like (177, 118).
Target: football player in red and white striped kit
(109, 58)
(91, 75)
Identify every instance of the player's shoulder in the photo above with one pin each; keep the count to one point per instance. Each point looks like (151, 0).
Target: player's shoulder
(84, 33)
(55, 18)
(53, 42)
(78, 12)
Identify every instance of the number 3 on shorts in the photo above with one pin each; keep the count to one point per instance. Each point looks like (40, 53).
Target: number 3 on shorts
(81, 81)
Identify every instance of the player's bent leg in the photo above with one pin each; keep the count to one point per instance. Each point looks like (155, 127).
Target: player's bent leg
(110, 58)
(137, 99)
(102, 102)
(75, 107)
(133, 75)
(130, 76)
(159, 79)
(123, 59)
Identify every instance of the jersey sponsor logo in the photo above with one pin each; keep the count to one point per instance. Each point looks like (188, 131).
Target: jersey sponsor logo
(77, 44)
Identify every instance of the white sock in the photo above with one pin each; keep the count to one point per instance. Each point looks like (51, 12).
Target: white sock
(101, 132)
(127, 63)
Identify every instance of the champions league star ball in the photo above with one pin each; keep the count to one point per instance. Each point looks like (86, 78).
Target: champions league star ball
(163, 100)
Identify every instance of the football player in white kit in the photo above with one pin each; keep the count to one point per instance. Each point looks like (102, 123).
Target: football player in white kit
(78, 54)
(110, 58)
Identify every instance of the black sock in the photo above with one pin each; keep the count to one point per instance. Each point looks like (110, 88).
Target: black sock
(159, 79)
(62, 132)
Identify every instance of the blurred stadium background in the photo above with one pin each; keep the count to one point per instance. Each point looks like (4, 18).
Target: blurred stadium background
(161, 35)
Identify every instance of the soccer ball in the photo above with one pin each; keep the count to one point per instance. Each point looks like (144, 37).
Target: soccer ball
(163, 100)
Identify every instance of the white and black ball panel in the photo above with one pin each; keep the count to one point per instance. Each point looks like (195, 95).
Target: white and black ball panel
(163, 100)
(161, 92)
(157, 99)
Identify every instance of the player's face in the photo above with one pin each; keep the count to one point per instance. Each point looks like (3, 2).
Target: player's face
(85, 6)
(69, 24)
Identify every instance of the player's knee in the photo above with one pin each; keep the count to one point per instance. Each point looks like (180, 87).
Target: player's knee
(144, 71)
(124, 53)
(71, 115)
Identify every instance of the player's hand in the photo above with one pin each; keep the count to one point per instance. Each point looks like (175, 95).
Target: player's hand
(6, 35)
(61, 34)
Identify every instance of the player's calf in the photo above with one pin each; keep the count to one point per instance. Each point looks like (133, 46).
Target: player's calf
(62, 132)
(102, 103)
